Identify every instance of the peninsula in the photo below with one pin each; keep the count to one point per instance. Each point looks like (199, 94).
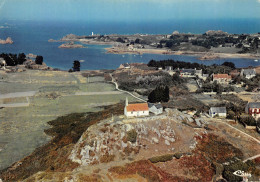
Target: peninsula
(207, 46)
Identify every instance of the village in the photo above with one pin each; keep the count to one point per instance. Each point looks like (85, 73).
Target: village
(226, 86)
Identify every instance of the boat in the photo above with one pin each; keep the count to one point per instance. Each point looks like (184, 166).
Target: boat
(256, 60)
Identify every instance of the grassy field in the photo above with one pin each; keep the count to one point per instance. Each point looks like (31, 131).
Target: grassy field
(22, 129)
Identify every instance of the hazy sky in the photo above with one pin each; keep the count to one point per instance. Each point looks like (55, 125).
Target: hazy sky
(128, 10)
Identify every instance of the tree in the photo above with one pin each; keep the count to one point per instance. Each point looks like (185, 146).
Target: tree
(229, 64)
(39, 60)
(137, 41)
(76, 65)
(21, 58)
(159, 94)
(119, 39)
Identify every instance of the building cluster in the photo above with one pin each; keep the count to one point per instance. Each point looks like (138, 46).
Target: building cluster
(219, 78)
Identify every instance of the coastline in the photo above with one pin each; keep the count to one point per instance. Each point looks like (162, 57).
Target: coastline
(201, 55)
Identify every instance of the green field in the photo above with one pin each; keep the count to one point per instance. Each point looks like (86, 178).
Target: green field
(22, 129)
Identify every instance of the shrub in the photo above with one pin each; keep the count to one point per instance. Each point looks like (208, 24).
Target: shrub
(249, 166)
(231, 115)
(107, 158)
(248, 120)
(162, 158)
(131, 136)
(178, 155)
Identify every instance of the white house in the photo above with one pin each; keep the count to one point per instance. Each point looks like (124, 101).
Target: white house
(219, 111)
(136, 110)
(190, 72)
(248, 73)
(155, 108)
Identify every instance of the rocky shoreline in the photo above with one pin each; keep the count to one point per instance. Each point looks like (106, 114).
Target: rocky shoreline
(201, 55)
(159, 44)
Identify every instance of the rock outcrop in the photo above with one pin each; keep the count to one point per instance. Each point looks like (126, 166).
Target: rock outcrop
(71, 45)
(7, 41)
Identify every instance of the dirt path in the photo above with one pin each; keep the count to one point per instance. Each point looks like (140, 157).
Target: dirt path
(17, 94)
(252, 158)
(99, 93)
(114, 82)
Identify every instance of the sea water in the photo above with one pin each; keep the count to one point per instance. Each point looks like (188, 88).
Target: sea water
(33, 36)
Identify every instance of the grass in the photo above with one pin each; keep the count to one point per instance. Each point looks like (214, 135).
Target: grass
(23, 128)
(54, 155)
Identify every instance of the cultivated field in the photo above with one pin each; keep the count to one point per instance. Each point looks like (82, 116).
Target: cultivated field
(22, 128)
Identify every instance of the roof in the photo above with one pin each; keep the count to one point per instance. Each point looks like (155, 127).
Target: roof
(137, 107)
(192, 71)
(158, 106)
(249, 72)
(218, 109)
(221, 76)
(254, 104)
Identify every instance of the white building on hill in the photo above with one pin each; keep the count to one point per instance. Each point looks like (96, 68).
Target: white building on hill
(136, 110)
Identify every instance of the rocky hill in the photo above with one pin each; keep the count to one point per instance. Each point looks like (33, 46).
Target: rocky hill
(174, 146)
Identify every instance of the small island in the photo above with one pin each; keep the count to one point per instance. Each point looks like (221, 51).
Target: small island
(7, 41)
(71, 45)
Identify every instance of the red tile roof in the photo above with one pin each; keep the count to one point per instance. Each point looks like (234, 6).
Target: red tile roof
(221, 76)
(137, 107)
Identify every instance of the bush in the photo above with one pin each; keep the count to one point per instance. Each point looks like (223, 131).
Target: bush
(107, 158)
(248, 120)
(162, 158)
(131, 136)
(249, 166)
(231, 115)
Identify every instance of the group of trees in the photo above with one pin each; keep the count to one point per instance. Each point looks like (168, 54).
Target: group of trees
(215, 87)
(159, 94)
(175, 64)
(14, 59)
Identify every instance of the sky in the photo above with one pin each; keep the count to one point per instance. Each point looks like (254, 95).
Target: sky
(128, 10)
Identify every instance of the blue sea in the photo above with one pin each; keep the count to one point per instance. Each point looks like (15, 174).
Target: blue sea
(33, 36)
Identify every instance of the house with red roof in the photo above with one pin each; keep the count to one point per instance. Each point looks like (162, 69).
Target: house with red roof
(136, 110)
(222, 78)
